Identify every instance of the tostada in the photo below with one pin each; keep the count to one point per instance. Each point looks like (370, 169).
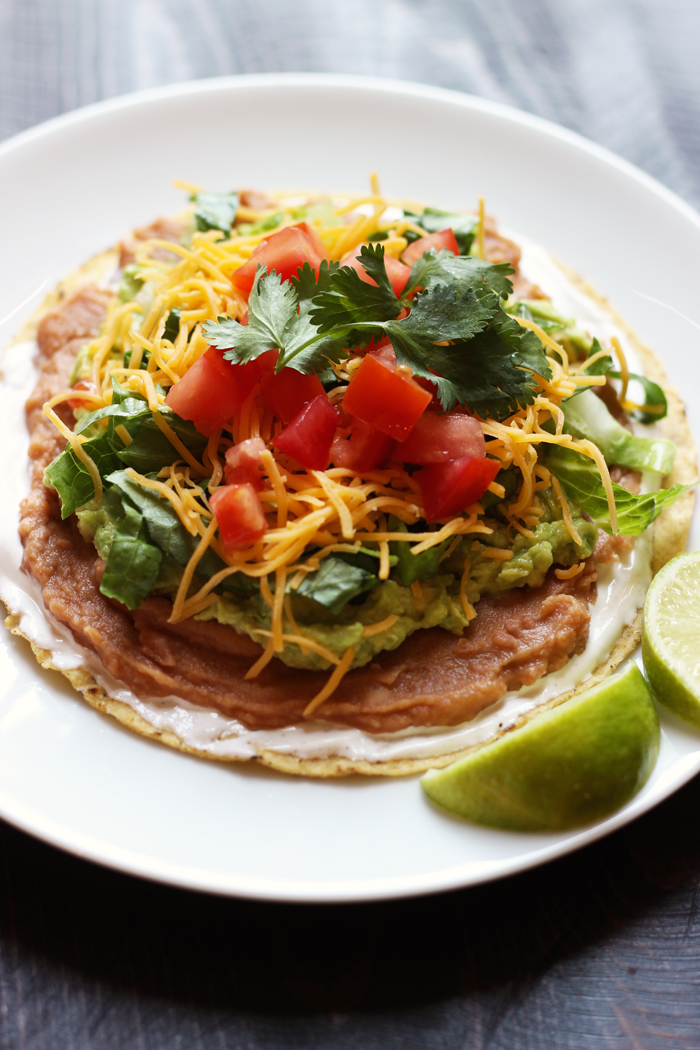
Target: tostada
(349, 475)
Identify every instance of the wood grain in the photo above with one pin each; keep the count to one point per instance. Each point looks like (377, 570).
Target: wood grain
(599, 950)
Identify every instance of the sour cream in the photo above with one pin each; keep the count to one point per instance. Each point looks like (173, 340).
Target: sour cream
(621, 590)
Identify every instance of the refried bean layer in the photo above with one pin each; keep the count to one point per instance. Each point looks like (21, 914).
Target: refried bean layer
(435, 679)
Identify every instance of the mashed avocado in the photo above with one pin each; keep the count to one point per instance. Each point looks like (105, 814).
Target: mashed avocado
(433, 602)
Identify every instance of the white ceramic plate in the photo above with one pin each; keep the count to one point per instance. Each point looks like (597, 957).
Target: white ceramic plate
(76, 185)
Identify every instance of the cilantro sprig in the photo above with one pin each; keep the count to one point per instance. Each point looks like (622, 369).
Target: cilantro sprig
(456, 334)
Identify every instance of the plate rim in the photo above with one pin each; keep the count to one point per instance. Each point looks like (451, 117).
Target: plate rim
(100, 851)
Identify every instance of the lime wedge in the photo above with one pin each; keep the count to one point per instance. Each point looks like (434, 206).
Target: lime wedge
(572, 765)
(671, 636)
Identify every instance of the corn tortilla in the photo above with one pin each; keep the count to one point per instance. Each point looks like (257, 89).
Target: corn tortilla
(669, 536)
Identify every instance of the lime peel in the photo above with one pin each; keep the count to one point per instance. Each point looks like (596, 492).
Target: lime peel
(572, 765)
(671, 636)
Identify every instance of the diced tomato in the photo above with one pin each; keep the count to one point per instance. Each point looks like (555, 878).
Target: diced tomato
(364, 450)
(442, 239)
(313, 236)
(396, 271)
(441, 439)
(287, 391)
(284, 252)
(384, 352)
(243, 464)
(239, 514)
(214, 389)
(82, 402)
(385, 399)
(309, 436)
(449, 488)
(435, 405)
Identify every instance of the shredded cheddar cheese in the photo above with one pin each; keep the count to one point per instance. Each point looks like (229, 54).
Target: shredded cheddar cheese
(332, 683)
(378, 628)
(309, 514)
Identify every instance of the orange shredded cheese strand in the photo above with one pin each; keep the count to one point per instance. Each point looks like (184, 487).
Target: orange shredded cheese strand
(166, 493)
(482, 226)
(624, 368)
(177, 444)
(76, 444)
(378, 628)
(568, 574)
(566, 512)
(469, 610)
(81, 395)
(496, 553)
(262, 661)
(546, 339)
(332, 683)
(178, 605)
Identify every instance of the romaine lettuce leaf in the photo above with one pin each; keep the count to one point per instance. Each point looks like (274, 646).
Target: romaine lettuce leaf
(336, 583)
(582, 484)
(587, 416)
(72, 481)
(412, 567)
(133, 563)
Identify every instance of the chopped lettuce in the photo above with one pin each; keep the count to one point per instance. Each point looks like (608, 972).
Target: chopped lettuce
(587, 416)
(336, 582)
(412, 567)
(654, 405)
(582, 484)
(148, 451)
(130, 284)
(215, 211)
(133, 563)
(464, 227)
(72, 480)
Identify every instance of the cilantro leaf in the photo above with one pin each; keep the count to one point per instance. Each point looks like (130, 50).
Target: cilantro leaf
(351, 302)
(215, 211)
(308, 283)
(275, 323)
(465, 272)
(488, 364)
(581, 481)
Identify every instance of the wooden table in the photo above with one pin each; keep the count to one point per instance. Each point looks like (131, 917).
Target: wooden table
(599, 950)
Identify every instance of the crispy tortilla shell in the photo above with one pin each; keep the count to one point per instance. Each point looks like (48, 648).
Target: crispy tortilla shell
(669, 535)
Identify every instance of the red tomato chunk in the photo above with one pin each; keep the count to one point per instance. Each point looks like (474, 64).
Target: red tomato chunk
(396, 271)
(287, 391)
(284, 252)
(309, 436)
(239, 514)
(385, 399)
(449, 488)
(243, 463)
(442, 239)
(88, 387)
(440, 439)
(364, 450)
(214, 389)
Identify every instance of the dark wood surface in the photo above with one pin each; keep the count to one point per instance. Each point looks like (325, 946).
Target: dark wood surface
(599, 950)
